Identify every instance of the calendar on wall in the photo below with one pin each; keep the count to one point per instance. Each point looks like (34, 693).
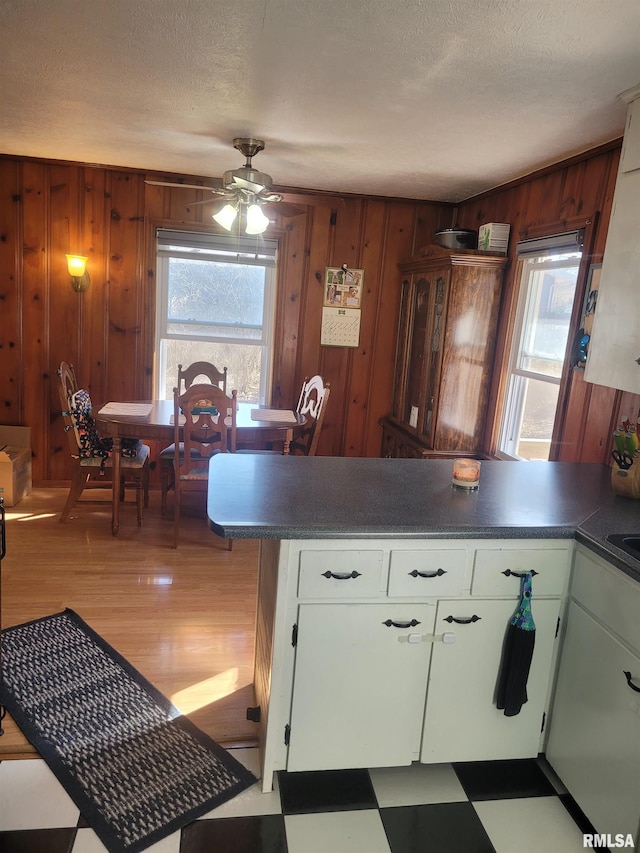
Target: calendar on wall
(341, 307)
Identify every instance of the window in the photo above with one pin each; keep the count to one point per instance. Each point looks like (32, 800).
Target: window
(215, 303)
(539, 347)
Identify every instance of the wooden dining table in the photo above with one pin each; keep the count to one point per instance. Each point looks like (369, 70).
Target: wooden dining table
(158, 425)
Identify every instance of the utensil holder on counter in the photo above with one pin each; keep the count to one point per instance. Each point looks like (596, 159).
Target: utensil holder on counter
(626, 482)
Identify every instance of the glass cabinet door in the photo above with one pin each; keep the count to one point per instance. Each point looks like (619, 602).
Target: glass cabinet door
(422, 320)
(414, 413)
(433, 355)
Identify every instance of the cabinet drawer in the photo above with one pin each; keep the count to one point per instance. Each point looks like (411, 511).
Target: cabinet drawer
(427, 573)
(550, 564)
(341, 574)
(609, 594)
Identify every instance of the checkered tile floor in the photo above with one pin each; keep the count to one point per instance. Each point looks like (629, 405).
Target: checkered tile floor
(501, 806)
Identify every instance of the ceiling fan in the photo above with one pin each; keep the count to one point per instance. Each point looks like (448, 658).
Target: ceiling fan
(245, 190)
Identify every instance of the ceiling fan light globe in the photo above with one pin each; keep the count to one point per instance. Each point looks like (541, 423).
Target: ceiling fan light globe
(226, 216)
(257, 222)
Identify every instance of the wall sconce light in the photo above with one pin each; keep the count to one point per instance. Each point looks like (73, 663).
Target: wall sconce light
(77, 265)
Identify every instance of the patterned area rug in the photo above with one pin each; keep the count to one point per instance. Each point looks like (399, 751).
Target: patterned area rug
(135, 767)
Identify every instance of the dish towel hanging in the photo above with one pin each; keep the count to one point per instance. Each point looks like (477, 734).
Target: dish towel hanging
(517, 654)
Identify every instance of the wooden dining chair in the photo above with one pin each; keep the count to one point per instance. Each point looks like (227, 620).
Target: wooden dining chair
(207, 418)
(188, 375)
(91, 455)
(68, 381)
(186, 378)
(314, 396)
(312, 403)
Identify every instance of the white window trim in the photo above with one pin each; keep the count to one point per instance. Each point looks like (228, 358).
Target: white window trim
(516, 387)
(243, 254)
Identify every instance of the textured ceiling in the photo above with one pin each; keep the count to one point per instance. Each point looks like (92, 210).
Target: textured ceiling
(433, 99)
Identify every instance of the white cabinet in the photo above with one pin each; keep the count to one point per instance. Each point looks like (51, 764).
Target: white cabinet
(630, 156)
(594, 741)
(359, 686)
(462, 722)
(354, 670)
(614, 349)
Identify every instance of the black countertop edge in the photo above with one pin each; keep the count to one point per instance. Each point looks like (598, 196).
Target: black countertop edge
(258, 531)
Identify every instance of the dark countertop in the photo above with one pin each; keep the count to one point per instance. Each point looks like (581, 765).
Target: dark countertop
(265, 496)
(616, 515)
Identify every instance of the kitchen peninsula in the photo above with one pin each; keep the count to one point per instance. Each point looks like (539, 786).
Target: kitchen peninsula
(384, 596)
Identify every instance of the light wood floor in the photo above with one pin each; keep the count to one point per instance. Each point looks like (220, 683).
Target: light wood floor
(184, 618)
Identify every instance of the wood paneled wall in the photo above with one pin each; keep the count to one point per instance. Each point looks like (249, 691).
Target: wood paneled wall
(48, 209)
(577, 191)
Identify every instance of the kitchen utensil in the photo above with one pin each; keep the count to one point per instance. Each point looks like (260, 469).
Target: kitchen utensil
(618, 438)
(623, 460)
(457, 238)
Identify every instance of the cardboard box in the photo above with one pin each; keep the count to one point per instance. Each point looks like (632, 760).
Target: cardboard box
(15, 463)
(494, 237)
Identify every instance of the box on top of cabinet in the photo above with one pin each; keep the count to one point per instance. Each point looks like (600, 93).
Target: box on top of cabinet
(494, 237)
(15, 463)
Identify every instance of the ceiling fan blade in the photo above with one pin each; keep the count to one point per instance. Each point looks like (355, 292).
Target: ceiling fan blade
(206, 201)
(273, 208)
(282, 208)
(313, 199)
(178, 186)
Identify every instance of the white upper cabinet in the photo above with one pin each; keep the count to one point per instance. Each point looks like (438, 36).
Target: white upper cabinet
(630, 157)
(614, 350)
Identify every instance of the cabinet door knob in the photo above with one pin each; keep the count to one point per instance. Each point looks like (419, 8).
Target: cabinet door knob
(416, 574)
(391, 624)
(508, 572)
(627, 675)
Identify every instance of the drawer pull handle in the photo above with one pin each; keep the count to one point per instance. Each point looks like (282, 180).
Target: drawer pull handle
(416, 574)
(462, 620)
(391, 624)
(341, 576)
(627, 675)
(508, 572)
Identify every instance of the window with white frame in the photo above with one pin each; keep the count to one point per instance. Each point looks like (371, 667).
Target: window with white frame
(215, 303)
(549, 272)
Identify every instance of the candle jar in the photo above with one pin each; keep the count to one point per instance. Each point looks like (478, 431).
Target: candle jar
(466, 473)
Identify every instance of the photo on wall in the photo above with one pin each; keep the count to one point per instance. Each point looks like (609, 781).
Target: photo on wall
(343, 287)
(341, 306)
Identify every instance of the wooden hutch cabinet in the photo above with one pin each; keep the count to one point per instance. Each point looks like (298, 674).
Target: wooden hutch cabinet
(444, 354)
